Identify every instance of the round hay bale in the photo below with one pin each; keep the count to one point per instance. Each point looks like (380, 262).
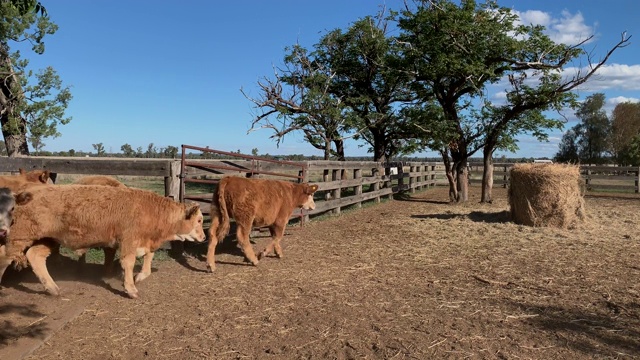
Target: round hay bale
(546, 195)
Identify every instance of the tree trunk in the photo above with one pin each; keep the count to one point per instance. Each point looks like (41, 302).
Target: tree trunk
(487, 174)
(327, 149)
(16, 143)
(450, 173)
(463, 181)
(15, 135)
(339, 149)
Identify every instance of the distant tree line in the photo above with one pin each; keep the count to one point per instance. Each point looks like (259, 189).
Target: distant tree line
(599, 138)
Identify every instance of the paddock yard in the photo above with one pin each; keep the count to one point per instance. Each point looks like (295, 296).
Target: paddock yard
(417, 278)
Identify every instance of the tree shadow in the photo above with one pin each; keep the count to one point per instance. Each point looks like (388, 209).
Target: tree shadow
(612, 331)
(410, 198)
(9, 331)
(490, 217)
(475, 216)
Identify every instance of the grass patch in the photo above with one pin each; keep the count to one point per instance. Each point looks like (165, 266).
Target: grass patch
(96, 255)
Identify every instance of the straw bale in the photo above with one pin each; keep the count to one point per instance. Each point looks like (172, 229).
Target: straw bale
(546, 195)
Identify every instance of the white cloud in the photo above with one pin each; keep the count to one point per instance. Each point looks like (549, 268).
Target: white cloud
(535, 17)
(569, 29)
(613, 76)
(621, 99)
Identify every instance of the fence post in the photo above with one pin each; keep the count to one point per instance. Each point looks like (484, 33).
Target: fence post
(357, 174)
(412, 179)
(325, 178)
(376, 185)
(587, 180)
(172, 190)
(505, 177)
(172, 182)
(638, 180)
(336, 176)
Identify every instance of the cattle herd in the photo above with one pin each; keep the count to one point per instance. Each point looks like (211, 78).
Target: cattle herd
(37, 217)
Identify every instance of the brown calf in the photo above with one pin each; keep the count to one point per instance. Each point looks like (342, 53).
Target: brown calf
(255, 202)
(85, 216)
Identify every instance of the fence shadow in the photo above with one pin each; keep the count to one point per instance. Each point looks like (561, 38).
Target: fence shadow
(594, 334)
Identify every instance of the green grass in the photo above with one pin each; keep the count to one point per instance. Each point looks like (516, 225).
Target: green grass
(96, 256)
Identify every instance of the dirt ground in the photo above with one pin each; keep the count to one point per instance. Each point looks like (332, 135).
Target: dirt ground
(406, 279)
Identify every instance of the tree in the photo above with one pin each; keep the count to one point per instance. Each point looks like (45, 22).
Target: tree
(372, 84)
(72, 152)
(454, 52)
(35, 138)
(348, 86)
(127, 151)
(99, 148)
(593, 130)
(152, 151)
(29, 102)
(568, 148)
(625, 126)
(299, 98)
(171, 152)
(254, 151)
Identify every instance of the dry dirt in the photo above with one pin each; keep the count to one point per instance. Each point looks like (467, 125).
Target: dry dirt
(406, 279)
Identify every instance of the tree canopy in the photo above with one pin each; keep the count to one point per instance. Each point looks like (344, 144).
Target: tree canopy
(32, 103)
(429, 83)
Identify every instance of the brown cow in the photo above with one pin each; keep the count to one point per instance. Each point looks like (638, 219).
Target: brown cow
(109, 253)
(99, 180)
(255, 202)
(85, 216)
(20, 182)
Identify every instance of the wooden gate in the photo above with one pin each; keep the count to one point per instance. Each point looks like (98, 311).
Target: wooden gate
(211, 165)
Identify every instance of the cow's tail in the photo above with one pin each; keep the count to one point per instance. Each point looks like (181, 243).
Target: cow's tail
(219, 214)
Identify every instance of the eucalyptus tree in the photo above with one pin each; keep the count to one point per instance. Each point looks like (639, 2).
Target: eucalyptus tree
(454, 52)
(297, 98)
(349, 85)
(625, 127)
(30, 102)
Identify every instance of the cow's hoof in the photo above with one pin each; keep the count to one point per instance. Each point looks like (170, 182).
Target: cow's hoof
(53, 292)
(140, 277)
(210, 268)
(261, 255)
(133, 295)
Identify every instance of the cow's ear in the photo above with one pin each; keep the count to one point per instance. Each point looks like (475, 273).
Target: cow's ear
(21, 170)
(191, 209)
(23, 198)
(44, 177)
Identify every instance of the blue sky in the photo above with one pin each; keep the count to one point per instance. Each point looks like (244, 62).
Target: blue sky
(170, 73)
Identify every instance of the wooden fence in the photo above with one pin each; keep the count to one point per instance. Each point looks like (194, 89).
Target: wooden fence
(341, 184)
(621, 179)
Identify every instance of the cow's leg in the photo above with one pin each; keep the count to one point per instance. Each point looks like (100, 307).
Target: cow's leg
(213, 242)
(128, 260)
(277, 231)
(243, 240)
(109, 260)
(269, 247)
(82, 256)
(146, 267)
(37, 256)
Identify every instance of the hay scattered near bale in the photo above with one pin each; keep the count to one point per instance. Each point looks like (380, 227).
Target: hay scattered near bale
(546, 195)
